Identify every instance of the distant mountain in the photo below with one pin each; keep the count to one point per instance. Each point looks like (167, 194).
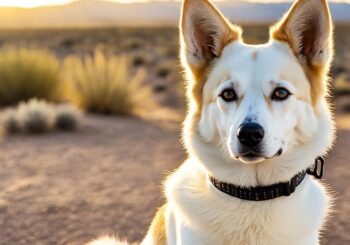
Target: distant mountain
(103, 13)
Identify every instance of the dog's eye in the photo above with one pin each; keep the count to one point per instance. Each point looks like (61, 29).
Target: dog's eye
(228, 95)
(280, 94)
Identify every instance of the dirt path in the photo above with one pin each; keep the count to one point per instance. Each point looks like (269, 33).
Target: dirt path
(68, 188)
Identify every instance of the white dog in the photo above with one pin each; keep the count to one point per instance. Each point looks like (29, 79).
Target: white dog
(258, 118)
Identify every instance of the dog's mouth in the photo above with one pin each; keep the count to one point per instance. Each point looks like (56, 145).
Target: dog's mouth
(252, 156)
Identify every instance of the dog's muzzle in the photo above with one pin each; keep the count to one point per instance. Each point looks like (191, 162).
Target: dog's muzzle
(250, 134)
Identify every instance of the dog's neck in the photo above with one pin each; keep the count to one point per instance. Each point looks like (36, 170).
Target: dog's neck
(262, 193)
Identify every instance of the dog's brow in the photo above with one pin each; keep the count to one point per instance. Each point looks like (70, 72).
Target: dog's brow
(274, 83)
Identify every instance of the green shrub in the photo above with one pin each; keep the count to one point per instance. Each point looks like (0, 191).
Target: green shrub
(27, 73)
(35, 116)
(67, 117)
(104, 84)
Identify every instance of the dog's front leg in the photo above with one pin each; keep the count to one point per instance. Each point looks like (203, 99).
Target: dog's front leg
(180, 233)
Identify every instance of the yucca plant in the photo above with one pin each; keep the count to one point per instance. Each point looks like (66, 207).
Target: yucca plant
(35, 116)
(104, 84)
(27, 73)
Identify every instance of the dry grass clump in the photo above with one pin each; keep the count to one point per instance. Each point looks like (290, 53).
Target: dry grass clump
(67, 117)
(102, 84)
(27, 73)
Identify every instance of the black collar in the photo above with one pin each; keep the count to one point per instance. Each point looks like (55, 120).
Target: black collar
(262, 193)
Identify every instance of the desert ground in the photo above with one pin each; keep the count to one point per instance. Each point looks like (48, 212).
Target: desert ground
(106, 178)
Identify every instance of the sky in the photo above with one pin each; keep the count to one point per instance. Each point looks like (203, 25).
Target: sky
(37, 3)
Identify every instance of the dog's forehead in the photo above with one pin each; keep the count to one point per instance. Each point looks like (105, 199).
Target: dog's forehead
(260, 65)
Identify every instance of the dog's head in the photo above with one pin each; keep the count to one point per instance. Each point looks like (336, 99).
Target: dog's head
(257, 102)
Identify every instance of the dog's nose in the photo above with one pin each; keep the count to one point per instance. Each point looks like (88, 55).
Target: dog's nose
(250, 134)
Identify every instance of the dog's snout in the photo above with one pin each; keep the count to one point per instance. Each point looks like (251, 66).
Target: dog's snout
(250, 134)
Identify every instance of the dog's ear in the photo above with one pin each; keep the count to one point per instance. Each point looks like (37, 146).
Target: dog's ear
(204, 32)
(307, 27)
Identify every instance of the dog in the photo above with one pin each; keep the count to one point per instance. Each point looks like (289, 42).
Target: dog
(258, 117)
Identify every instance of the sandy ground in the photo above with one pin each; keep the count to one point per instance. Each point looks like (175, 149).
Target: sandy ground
(68, 188)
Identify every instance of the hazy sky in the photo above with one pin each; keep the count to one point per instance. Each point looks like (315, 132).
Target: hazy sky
(36, 3)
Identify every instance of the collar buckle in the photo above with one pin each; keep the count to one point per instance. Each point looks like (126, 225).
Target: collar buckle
(317, 170)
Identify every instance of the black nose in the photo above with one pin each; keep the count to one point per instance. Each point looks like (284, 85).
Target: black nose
(250, 134)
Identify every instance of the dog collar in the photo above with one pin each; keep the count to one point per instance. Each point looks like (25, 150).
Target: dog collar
(263, 193)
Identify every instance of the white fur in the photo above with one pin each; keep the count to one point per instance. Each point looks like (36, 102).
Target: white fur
(210, 217)
(107, 240)
(220, 120)
(196, 212)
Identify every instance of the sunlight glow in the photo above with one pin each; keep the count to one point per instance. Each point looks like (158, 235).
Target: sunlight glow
(38, 3)
(31, 3)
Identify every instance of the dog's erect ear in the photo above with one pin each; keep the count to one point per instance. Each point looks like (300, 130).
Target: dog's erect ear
(204, 32)
(307, 27)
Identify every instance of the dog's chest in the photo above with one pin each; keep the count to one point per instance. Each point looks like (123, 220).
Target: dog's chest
(221, 219)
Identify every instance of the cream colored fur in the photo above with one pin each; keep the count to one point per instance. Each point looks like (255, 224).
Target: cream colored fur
(196, 212)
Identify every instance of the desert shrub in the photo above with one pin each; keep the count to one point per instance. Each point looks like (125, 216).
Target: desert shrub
(67, 117)
(142, 58)
(346, 107)
(36, 116)
(9, 121)
(68, 43)
(132, 44)
(139, 60)
(27, 73)
(167, 67)
(104, 84)
(160, 87)
(163, 71)
(342, 84)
